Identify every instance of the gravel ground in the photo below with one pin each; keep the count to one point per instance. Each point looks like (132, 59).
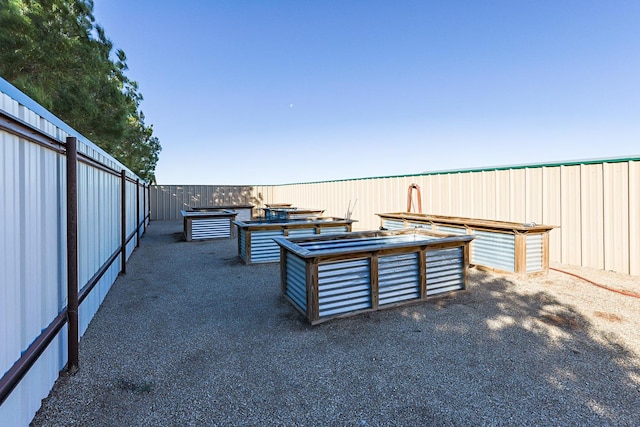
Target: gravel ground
(193, 337)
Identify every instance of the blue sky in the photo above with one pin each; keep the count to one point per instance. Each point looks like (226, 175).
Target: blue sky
(274, 92)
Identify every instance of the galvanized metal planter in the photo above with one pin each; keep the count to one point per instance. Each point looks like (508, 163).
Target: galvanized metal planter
(245, 212)
(208, 224)
(498, 245)
(327, 277)
(255, 238)
(290, 213)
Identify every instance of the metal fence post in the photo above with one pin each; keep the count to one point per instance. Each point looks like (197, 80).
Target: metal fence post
(144, 207)
(137, 213)
(123, 221)
(72, 253)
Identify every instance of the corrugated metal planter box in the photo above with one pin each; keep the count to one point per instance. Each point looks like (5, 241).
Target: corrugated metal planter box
(208, 224)
(290, 213)
(327, 277)
(245, 212)
(498, 245)
(255, 238)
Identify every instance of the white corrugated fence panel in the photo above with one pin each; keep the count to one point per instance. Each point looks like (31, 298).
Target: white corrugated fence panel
(33, 241)
(32, 267)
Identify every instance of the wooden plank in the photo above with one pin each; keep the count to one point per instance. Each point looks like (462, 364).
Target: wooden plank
(313, 310)
(463, 222)
(247, 247)
(293, 223)
(374, 282)
(466, 258)
(329, 245)
(521, 253)
(187, 228)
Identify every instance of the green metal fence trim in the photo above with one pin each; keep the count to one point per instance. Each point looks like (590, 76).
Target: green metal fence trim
(480, 169)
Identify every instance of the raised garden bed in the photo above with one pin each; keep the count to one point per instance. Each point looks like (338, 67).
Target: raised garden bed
(255, 237)
(211, 224)
(325, 277)
(498, 245)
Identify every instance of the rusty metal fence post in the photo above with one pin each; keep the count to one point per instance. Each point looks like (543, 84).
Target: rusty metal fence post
(123, 221)
(72, 253)
(137, 213)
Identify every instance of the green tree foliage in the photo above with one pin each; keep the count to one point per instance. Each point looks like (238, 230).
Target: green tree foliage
(54, 52)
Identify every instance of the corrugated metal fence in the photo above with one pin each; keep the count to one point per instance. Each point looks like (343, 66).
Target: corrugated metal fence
(37, 295)
(595, 203)
(168, 200)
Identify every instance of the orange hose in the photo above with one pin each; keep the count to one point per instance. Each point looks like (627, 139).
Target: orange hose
(618, 291)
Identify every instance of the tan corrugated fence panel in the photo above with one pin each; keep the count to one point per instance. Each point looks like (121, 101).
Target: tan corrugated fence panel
(570, 206)
(591, 215)
(552, 209)
(616, 216)
(503, 194)
(517, 199)
(634, 218)
(534, 203)
(487, 193)
(596, 204)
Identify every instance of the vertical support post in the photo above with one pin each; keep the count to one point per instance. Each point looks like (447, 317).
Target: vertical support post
(313, 303)
(283, 270)
(247, 245)
(72, 254)
(520, 262)
(137, 212)
(466, 260)
(422, 271)
(144, 207)
(545, 252)
(374, 285)
(123, 221)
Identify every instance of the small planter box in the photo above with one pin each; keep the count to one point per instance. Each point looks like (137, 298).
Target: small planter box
(245, 212)
(326, 277)
(272, 213)
(255, 238)
(502, 246)
(208, 224)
